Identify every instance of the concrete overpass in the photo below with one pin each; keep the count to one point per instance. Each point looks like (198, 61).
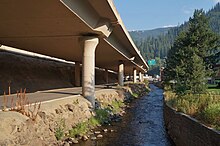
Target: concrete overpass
(88, 32)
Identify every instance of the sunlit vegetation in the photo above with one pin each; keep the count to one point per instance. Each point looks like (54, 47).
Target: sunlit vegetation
(204, 107)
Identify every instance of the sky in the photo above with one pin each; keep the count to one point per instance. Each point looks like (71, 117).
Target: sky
(151, 14)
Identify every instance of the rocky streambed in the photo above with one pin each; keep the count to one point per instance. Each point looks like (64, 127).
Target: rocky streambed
(142, 125)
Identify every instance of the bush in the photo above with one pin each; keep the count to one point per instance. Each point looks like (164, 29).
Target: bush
(102, 115)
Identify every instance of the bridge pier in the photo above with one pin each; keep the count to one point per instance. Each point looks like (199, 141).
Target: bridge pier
(134, 75)
(121, 73)
(88, 68)
(77, 74)
(140, 77)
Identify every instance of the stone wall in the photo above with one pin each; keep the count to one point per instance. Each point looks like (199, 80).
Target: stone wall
(187, 131)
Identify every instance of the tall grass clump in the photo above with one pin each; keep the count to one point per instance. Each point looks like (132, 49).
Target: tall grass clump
(211, 115)
(204, 107)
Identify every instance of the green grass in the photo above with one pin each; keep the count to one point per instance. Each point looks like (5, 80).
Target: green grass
(214, 91)
(80, 129)
(211, 115)
(59, 131)
(93, 122)
(116, 106)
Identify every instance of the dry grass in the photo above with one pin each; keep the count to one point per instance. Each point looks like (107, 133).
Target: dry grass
(21, 104)
(204, 107)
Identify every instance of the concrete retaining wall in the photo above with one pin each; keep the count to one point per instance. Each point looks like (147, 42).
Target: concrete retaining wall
(35, 74)
(187, 131)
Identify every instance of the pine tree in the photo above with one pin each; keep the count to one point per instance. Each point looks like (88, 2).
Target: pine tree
(187, 60)
(197, 75)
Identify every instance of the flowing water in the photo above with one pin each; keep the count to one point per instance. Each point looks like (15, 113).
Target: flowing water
(142, 125)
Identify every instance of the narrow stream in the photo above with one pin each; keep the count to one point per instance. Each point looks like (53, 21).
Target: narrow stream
(142, 125)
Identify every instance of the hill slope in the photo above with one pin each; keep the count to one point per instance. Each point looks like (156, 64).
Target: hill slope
(155, 44)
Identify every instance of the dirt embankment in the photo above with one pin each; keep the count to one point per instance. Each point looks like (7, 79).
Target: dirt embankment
(36, 74)
(63, 114)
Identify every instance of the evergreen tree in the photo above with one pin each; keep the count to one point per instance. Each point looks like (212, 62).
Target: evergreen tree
(187, 60)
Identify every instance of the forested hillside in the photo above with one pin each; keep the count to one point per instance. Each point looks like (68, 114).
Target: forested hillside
(155, 44)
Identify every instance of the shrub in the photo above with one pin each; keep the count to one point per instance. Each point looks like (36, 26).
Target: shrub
(102, 115)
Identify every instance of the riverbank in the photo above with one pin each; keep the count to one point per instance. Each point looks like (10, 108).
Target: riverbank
(60, 122)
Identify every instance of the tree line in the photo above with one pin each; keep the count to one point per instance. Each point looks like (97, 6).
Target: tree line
(157, 46)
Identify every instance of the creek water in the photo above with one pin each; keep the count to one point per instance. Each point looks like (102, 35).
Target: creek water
(142, 125)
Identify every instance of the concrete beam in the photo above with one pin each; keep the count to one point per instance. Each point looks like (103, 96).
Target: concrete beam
(113, 41)
(88, 68)
(85, 11)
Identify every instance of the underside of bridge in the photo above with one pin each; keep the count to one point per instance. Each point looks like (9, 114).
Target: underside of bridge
(89, 32)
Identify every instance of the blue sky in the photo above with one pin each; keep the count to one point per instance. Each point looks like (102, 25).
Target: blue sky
(150, 14)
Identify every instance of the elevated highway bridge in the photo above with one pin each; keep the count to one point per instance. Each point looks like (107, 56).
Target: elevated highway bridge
(87, 32)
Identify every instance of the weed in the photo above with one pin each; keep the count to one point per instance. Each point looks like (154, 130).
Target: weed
(116, 106)
(93, 122)
(22, 105)
(205, 107)
(76, 101)
(80, 129)
(59, 131)
(211, 115)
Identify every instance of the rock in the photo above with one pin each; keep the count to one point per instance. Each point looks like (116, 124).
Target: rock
(97, 132)
(90, 133)
(58, 111)
(99, 136)
(42, 115)
(75, 141)
(111, 130)
(66, 144)
(70, 107)
(93, 138)
(85, 138)
(105, 130)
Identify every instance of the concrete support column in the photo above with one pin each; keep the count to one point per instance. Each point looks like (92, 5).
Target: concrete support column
(77, 74)
(106, 76)
(121, 74)
(88, 68)
(135, 75)
(140, 77)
